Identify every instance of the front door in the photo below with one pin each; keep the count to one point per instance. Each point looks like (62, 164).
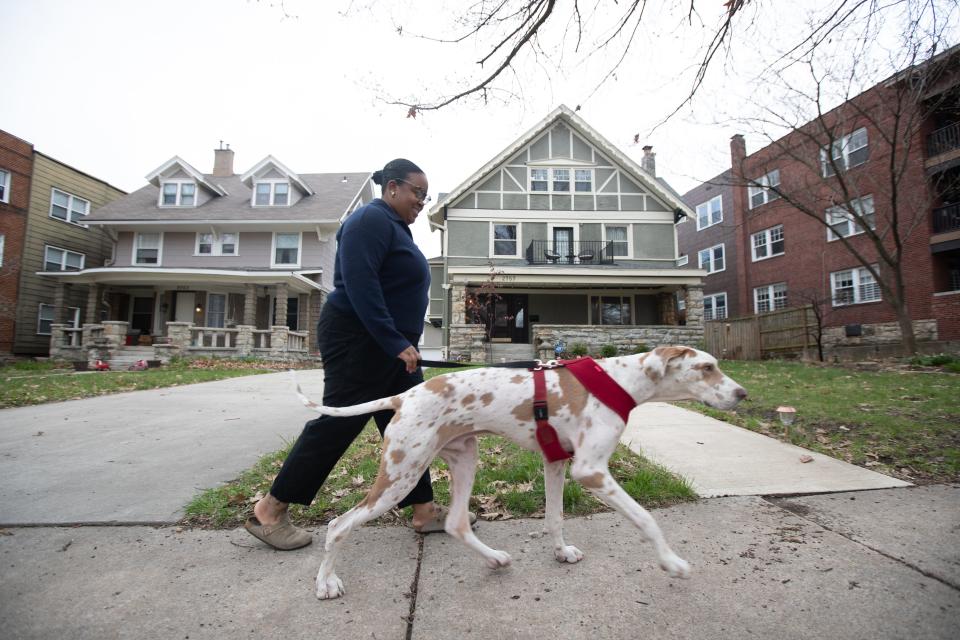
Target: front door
(563, 243)
(511, 318)
(142, 315)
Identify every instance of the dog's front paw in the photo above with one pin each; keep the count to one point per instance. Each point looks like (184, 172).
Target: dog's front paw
(329, 588)
(497, 559)
(675, 566)
(568, 553)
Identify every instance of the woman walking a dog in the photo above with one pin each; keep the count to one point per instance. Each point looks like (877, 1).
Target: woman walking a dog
(367, 333)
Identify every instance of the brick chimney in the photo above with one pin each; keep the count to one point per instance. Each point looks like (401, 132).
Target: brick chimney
(738, 153)
(649, 161)
(738, 157)
(223, 161)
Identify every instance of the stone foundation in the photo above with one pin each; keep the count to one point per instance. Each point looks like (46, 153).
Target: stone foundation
(627, 339)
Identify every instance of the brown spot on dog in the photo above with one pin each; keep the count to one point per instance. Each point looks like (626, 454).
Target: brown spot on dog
(451, 430)
(669, 353)
(397, 456)
(580, 439)
(572, 393)
(588, 423)
(523, 411)
(710, 373)
(593, 481)
(486, 399)
(439, 385)
(395, 402)
(518, 379)
(383, 481)
(468, 399)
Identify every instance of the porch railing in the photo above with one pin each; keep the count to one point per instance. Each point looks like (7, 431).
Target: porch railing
(584, 252)
(946, 218)
(213, 337)
(943, 140)
(261, 338)
(72, 337)
(297, 340)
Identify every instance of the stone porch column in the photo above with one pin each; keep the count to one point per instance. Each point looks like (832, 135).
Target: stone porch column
(694, 306)
(60, 303)
(280, 316)
(668, 309)
(458, 306)
(93, 304)
(250, 305)
(314, 306)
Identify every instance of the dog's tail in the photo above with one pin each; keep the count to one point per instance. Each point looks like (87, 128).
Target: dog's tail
(340, 412)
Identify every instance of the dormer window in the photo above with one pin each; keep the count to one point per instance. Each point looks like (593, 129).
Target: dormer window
(178, 194)
(557, 180)
(271, 194)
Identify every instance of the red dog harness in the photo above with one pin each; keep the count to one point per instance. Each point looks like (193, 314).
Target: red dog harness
(595, 380)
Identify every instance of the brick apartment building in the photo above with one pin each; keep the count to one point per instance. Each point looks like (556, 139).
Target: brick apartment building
(853, 168)
(16, 167)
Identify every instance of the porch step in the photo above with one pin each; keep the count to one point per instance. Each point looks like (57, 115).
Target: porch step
(127, 356)
(509, 352)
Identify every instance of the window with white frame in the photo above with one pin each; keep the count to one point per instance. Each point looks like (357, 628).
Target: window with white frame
(847, 152)
(710, 213)
(616, 238)
(715, 306)
(611, 310)
(712, 259)
(210, 244)
(4, 186)
(767, 243)
(683, 260)
(505, 239)
(761, 193)
(146, 249)
(271, 194)
(558, 180)
(853, 286)
(583, 180)
(44, 319)
(770, 297)
(286, 249)
(68, 207)
(846, 221)
(55, 259)
(178, 193)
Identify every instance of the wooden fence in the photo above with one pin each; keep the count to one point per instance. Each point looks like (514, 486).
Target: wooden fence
(790, 331)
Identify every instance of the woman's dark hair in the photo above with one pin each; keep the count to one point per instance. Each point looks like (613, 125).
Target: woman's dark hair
(395, 170)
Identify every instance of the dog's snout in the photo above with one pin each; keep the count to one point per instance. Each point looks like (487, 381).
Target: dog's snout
(740, 393)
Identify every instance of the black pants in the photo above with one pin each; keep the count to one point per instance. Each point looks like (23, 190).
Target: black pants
(355, 370)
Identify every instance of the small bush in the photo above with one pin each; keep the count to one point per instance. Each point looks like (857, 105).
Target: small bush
(608, 351)
(938, 360)
(641, 348)
(578, 349)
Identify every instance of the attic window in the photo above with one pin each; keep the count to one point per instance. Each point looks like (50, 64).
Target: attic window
(271, 194)
(557, 180)
(178, 194)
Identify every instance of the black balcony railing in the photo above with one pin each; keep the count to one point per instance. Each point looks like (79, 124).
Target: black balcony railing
(946, 218)
(567, 253)
(943, 140)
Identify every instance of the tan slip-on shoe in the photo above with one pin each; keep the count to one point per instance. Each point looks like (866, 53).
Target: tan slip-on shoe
(282, 536)
(436, 524)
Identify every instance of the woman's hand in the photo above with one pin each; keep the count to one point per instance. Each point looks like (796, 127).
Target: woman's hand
(411, 357)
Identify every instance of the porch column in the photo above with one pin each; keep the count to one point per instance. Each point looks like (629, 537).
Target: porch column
(694, 306)
(667, 308)
(458, 308)
(280, 316)
(60, 303)
(93, 304)
(250, 305)
(314, 305)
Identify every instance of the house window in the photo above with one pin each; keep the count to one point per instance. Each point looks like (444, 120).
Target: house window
(710, 213)
(712, 259)
(769, 298)
(272, 194)
(286, 249)
(610, 310)
(44, 319)
(616, 238)
(768, 243)
(715, 306)
(538, 179)
(62, 260)
(583, 180)
(561, 180)
(847, 152)
(504, 239)
(4, 186)
(853, 286)
(845, 221)
(216, 310)
(558, 180)
(761, 193)
(224, 244)
(67, 207)
(147, 248)
(178, 194)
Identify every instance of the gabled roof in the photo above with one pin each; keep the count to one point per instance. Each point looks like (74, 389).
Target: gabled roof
(269, 161)
(154, 177)
(579, 125)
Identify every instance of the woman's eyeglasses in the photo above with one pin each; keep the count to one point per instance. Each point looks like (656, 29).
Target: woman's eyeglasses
(420, 192)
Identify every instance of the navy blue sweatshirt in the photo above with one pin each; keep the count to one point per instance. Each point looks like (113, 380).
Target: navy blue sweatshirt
(381, 276)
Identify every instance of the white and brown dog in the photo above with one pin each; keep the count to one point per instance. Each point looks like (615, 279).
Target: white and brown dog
(444, 415)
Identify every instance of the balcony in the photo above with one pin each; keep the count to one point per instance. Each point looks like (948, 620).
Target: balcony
(943, 145)
(946, 219)
(586, 252)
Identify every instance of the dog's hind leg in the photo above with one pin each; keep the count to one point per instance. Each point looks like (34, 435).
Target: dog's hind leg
(553, 488)
(592, 472)
(460, 455)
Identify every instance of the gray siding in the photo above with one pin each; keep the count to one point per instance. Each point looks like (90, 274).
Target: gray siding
(468, 238)
(653, 241)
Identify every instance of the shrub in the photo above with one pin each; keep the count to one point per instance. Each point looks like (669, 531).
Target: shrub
(608, 351)
(578, 349)
(939, 360)
(641, 348)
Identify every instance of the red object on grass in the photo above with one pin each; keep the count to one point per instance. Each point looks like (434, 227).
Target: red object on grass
(100, 365)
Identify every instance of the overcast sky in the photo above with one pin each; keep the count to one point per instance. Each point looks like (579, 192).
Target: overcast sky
(117, 87)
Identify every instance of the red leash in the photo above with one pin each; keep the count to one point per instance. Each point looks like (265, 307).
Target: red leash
(596, 381)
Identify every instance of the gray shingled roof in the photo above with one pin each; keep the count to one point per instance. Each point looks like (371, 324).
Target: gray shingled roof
(329, 202)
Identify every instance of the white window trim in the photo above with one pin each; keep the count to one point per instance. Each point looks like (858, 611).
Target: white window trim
(40, 317)
(713, 297)
(519, 240)
(768, 241)
(2, 242)
(707, 205)
(136, 243)
(273, 251)
(273, 192)
(856, 272)
(179, 184)
(70, 200)
(629, 227)
(851, 222)
(572, 180)
(712, 260)
(6, 178)
(683, 260)
(609, 294)
(63, 262)
(217, 247)
(763, 185)
(843, 162)
(770, 289)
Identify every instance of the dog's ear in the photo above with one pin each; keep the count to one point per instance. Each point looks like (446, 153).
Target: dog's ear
(656, 362)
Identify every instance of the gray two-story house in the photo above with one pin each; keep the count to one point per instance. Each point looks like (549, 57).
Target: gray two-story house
(236, 264)
(561, 237)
